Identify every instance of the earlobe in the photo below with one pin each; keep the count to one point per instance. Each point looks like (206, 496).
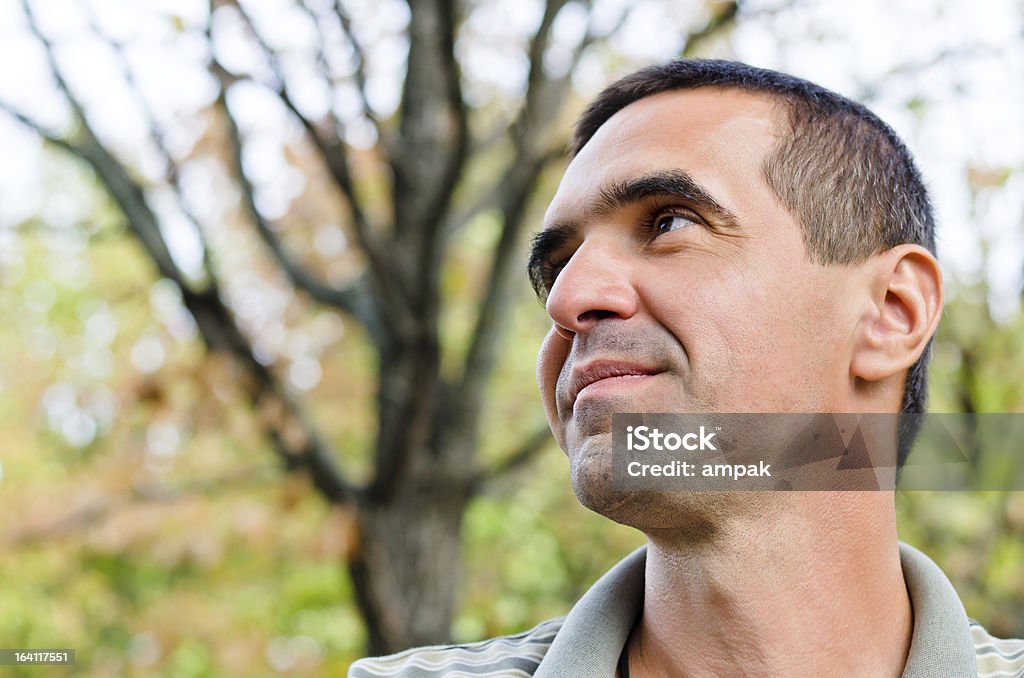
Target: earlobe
(906, 306)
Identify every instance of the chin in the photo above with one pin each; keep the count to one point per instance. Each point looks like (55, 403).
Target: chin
(693, 517)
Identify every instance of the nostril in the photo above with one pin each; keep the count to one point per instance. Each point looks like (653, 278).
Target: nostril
(595, 315)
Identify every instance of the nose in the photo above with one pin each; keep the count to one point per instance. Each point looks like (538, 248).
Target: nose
(595, 284)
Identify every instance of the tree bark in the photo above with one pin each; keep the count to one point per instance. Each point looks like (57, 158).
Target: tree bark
(406, 570)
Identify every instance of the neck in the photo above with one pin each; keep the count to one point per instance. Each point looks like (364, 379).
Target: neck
(813, 587)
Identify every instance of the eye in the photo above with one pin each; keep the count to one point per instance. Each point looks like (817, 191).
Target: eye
(549, 270)
(552, 269)
(672, 222)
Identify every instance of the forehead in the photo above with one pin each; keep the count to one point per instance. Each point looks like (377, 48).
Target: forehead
(718, 136)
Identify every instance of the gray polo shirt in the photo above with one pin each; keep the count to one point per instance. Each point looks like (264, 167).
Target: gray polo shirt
(587, 642)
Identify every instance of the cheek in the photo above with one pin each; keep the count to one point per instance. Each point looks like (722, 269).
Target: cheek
(788, 342)
(743, 319)
(706, 303)
(550, 359)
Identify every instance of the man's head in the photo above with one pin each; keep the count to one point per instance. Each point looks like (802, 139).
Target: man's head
(731, 239)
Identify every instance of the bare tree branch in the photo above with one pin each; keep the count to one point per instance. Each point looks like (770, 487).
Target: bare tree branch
(354, 300)
(529, 116)
(171, 168)
(48, 135)
(128, 194)
(360, 64)
(331, 148)
(325, 69)
(482, 353)
(517, 459)
(383, 275)
(547, 97)
(544, 97)
(281, 86)
(294, 439)
(723, 14)
(433, 143)
(536, 80)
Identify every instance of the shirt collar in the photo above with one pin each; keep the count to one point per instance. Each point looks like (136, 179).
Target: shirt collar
(941, 644)
(595, 630)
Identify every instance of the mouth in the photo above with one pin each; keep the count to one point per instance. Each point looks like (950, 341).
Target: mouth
(605, 375)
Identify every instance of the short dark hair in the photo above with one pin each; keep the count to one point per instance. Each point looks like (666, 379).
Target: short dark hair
(845, 174)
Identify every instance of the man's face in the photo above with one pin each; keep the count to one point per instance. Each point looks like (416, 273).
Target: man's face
(678, 282)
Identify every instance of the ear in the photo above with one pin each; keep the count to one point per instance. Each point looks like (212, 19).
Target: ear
(906, 302)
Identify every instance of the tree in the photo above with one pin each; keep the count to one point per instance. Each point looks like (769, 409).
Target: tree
(426, 466)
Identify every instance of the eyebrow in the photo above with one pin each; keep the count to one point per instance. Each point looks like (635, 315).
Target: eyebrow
(675, 183)
(619, 195)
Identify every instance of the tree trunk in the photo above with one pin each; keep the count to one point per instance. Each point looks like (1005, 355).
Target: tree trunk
(406, 568)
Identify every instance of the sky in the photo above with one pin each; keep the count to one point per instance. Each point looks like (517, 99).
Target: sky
(944, 74)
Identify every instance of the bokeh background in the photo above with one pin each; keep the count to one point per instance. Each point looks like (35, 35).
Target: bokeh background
(266, 353)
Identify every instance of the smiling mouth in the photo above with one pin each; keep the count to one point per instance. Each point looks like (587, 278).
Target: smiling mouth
(602, 376)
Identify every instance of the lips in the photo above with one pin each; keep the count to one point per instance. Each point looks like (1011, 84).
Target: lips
(583, 376)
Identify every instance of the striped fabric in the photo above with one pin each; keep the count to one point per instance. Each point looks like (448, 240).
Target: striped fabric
(996, 657)
(517, 655)
(586, 643)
